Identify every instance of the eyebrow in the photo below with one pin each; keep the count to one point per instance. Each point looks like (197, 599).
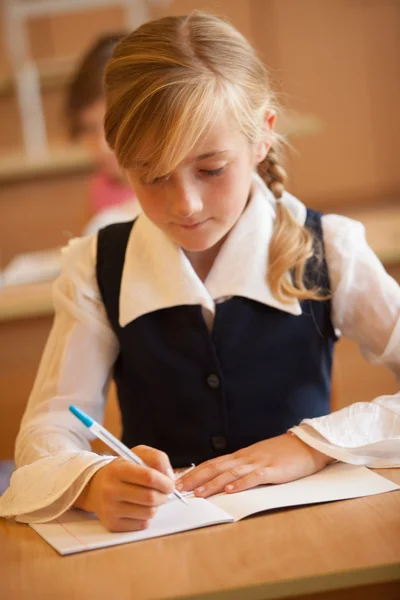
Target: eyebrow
(211, 154)
(143, 165)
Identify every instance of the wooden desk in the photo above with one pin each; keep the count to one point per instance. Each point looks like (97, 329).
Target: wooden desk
(328, 551)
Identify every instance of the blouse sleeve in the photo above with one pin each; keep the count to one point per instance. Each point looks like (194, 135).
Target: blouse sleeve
(53, 454)
(366, 309)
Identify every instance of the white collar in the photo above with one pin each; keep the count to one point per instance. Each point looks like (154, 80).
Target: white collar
(157, 274)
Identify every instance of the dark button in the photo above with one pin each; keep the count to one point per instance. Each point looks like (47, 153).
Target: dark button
(213, 381)
(219, 442)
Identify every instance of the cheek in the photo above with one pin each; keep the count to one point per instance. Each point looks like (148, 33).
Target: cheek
(231, 195)
(151, 204)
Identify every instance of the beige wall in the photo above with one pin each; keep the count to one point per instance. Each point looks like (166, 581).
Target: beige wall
(336, 60)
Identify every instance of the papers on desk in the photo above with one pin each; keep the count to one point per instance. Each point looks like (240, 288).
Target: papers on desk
(77, 531)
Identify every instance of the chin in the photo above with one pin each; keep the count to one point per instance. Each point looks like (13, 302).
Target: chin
(197, 245)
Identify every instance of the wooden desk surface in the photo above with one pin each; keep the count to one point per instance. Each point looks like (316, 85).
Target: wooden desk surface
(280, 554)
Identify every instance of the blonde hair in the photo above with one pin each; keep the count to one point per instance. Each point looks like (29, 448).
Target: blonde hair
(167, 83)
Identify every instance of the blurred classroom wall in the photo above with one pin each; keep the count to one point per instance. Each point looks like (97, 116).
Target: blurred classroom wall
(336, 69)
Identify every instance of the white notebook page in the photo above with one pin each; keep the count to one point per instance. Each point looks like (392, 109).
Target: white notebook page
(77, 531)
(338, 481)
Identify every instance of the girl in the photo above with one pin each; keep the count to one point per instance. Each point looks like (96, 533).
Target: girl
(216, 311)
(111, 199)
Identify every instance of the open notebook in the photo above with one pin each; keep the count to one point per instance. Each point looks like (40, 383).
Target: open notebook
(77, 531)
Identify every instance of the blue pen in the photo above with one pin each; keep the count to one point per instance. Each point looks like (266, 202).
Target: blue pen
(111, 441)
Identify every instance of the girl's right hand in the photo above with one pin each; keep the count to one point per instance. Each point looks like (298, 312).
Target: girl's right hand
(124, 495)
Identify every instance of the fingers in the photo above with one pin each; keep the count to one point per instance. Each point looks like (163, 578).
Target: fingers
(273, 474)
(120, 525)
(255, 477)
(142, 476)
(136, 494)
(126, 510)
(275, 460)
(128, 517)
(220, 483)
(229, 474)
(123, 506)
(205, 472)
(241, 477)
(124, 495)
(156, 459)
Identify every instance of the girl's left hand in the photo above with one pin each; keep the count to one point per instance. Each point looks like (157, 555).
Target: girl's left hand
(277, 460)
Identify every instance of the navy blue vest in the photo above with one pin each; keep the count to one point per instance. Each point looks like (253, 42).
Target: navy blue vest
(196, 394)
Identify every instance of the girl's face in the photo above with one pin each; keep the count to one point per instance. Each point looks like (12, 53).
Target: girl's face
(201, 200)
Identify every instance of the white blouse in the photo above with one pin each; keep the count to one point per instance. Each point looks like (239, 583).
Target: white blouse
(53, 453)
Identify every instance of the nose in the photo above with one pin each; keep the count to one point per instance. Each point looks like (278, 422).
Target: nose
(185, 199)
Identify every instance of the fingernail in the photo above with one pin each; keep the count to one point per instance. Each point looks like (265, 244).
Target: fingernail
(179, 486)
(229, 488)
(200, 490)
(170, 473)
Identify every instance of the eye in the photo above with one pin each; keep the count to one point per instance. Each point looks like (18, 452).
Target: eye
(213, 172)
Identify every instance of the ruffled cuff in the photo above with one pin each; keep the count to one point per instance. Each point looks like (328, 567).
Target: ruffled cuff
(45, 489)
(378, 455)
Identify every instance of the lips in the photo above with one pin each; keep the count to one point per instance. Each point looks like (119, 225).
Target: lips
(189, 225)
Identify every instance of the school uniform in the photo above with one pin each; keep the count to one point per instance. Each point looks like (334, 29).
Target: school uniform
(196, 393)
(203, 369)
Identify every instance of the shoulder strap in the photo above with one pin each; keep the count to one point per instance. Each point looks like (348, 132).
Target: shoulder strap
(111, 249)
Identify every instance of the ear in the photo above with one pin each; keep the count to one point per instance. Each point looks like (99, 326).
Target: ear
(262, 147)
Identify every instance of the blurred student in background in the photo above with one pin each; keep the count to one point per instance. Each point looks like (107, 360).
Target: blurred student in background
(110, 197)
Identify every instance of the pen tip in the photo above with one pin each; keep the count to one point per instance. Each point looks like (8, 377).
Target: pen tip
(180, 497)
